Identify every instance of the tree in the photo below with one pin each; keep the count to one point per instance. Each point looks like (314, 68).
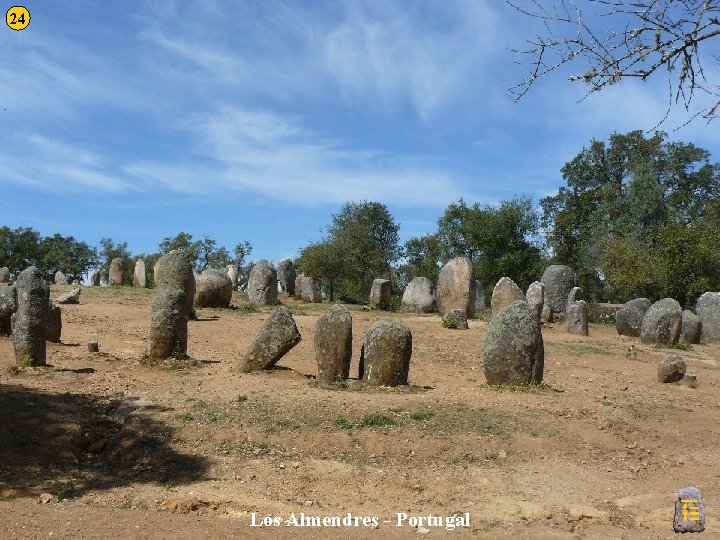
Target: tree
(614, 40)
(205, 253)
(423, 257)
(72, 257)
(19, 248)
(111, 251)
(322, 260)
(241, 252)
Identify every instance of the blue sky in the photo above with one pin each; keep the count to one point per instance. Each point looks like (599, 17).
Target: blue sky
(257, 120)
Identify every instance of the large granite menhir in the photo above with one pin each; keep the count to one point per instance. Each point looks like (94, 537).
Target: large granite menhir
(28, 323)
(456, 287)
(277, 336)
(333, 344)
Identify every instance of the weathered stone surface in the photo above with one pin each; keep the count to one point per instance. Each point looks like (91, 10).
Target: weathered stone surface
(175, 270)
(456, 287)
(629, 317)
(535, 296)
(573, 296)
(559, 280)
(262, 286)
(4, 275)
(168, 324)
(299, 279)
(671, 369)
(707, 308)
(28, 323)
(213, 289)
(311, 290)
(689, 511)
(546, 314)
(455, 319)
(139, 276)
(8, 306)
(479, 297)
(419, 296)
(117, 269)
(514, 352)
(233, 273)
(333, 344)
(95, 279)
(661, 323)
(60, 278)
(386, 353)
(70, 297)
(576, 317)
(380, 294)
(504, 294)
(690, 328)
(277, 336)
(287, 275)
(53, 323)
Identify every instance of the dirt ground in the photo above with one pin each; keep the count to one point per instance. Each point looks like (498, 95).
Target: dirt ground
(99, 445)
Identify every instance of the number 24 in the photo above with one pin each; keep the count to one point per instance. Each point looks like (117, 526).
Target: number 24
(16, 20)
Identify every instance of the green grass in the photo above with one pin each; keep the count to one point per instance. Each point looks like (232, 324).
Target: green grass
(421, 416)
(343, 422)
(376, 420)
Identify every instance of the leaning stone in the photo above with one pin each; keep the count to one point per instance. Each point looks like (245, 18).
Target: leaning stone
(573, 296)
(168, 324)
(60, 278)
(559, 280)
(689, 511)
(139, 276)
(690, 328)
(456, 320)
(380, 294)
(333, 344)
(175, 270)
(233, 273)
(456, 287)
(311, 290)
(419, 296)
(628, 319)
(514, 352)
(8, 306)
(661, 323)
(53, 323)
(504, 294)
(386, 353)
(117, 269)
(262, 285)
(277, 336)
(535, 296)
(71, 297)
(28, 323)
(707, 308)
(286, 276)
(213, 289)
(576, 317)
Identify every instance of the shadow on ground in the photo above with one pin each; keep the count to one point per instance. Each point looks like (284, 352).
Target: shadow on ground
(67, 444)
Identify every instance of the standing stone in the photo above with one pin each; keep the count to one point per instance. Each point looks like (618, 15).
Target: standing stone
(53, 323)
(117, 268)
(671, 369)
(139, 277)
(213, 289)
(277, 336)
(708, 309)
(168, 324)
(514, 351)
(8, 306)
(576, 317)
(479, 297)
(299, 279)
(71, 297)
(455, 319)
(546, 314)
(535, 296)
(690, 328)
(311, 290)
(629, 317)
(419, 296)
(661, 323)
(380, 294)
(60, 278)
(333, 344)
(262, 284)
(456, 287)
(4, 275)
(504, 294)
(232, 272)
(287, 275)
(573, 296)
(689, 511)
(175, 270)
(95, 279)
(385, 355)
(28, 323)
(155, 272)
(559, 280)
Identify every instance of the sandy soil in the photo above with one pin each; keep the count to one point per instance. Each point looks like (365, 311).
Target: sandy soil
(99, 445)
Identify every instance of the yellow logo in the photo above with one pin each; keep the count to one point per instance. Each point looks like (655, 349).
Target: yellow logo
(690, 510)
(17, 18)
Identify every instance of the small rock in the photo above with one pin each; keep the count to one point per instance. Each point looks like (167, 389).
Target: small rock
(46, 498)
(671, 369)
(690, 379)
(71, 297)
